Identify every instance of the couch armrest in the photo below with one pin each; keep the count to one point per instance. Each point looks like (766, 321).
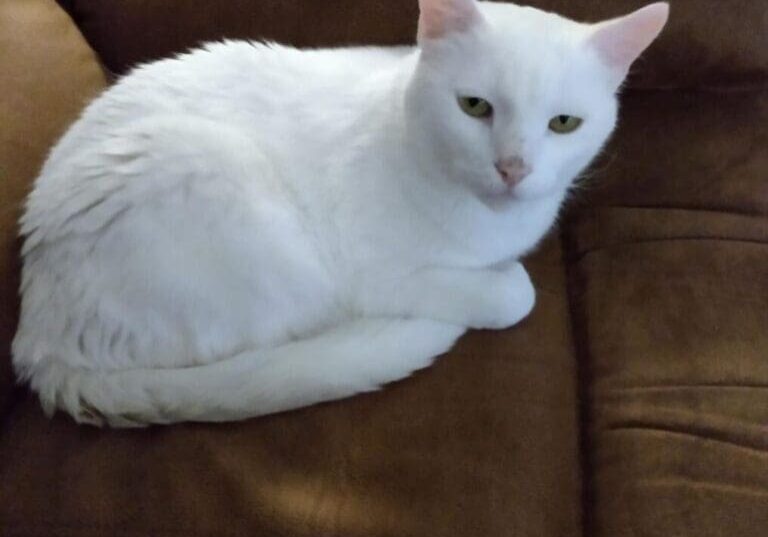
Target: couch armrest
(48, 75)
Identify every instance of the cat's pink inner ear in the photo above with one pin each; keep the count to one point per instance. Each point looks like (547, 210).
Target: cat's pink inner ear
(443, 17)
(621, 41)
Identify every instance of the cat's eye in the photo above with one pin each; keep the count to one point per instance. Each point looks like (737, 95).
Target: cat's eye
(476, 107)
(565, 124)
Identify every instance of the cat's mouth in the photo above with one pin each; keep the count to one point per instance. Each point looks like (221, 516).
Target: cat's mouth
(499, 201)
(498, 194)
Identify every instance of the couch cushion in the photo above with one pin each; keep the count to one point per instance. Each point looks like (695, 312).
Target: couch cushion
(669, 288)
(48, 74)
(708, 43)
(483, 443)
(687, 149)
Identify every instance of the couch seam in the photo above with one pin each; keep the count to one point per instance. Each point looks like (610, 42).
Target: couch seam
(638, 425)
(577, 257)
(715, 210)
(583, 389)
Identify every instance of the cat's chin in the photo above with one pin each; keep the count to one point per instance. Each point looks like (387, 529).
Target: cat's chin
(502, 197)
(499, 198)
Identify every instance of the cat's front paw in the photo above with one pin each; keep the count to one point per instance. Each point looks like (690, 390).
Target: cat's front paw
(512, 298)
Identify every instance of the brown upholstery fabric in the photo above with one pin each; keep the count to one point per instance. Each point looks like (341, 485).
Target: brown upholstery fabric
(666, 258)
(669, 286)
(690, 149)
(482, 444)
(708, 43)
(47, 73)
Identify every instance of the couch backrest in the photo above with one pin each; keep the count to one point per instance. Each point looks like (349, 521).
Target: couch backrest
(709, 43)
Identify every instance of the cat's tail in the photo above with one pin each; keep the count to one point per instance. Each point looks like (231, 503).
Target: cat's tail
(356, 357)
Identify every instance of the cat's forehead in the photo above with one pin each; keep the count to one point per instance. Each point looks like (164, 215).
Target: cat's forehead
(524, 33)
(526, 20)
(533, 53)
(521, 58)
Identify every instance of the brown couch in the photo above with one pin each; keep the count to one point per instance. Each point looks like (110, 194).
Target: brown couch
(633, 402)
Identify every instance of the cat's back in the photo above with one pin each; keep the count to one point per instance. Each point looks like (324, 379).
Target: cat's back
(266, 90)
(159, 178)
(238, 79)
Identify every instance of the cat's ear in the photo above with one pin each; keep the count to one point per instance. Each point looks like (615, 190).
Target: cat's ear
(619, 42)
(440, 18)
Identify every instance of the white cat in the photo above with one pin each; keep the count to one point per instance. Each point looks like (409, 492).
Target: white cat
(250, 228)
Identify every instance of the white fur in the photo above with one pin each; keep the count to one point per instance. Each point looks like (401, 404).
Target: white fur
(250, 228)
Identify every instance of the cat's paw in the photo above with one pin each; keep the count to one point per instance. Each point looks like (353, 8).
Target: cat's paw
(512, 298)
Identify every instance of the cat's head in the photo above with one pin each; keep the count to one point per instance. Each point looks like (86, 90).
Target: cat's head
(515, 102)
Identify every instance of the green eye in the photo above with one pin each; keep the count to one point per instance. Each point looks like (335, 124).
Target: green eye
(476, 107)
(565, 124)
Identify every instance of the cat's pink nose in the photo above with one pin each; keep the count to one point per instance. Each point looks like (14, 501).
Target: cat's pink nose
(513, 170)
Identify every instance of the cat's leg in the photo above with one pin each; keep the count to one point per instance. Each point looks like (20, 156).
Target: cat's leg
(476, 298)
